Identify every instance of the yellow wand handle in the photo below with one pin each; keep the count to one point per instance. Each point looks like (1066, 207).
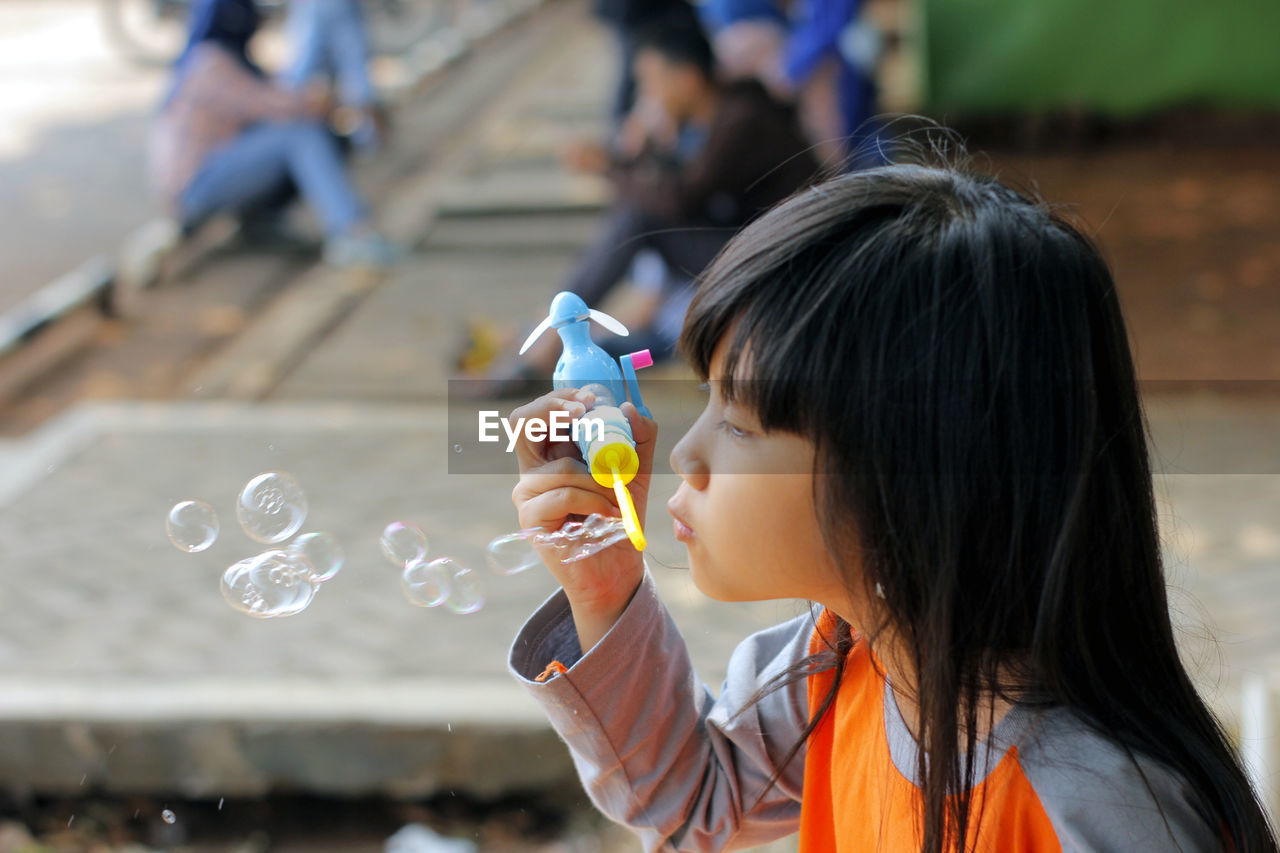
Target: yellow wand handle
(630, 521)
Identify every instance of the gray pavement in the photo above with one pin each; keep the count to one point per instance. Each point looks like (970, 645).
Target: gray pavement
(119, 661)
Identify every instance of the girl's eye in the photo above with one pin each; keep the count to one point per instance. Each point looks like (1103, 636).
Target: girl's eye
(734, 431)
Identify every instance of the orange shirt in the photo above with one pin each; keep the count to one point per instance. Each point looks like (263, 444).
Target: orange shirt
(1051, 784)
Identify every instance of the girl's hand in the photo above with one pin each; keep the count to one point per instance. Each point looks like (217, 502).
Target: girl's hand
(555, 487)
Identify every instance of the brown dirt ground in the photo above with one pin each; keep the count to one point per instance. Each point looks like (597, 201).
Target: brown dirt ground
(1193, 237)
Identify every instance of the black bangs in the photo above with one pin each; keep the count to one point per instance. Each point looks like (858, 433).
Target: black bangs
(790, 290)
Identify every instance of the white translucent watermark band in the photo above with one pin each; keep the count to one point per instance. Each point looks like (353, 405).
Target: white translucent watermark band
(559, 426)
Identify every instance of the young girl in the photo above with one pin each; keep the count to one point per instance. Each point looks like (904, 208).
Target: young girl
(923, 417)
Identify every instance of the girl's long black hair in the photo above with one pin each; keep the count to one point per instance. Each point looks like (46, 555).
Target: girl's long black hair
(955, 351)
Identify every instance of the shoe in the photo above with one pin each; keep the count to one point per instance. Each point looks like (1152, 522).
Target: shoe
(366, 129)
(141, 264)
(484, 342)
(366, 250)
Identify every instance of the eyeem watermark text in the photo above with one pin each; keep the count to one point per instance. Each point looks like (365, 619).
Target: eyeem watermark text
(560, 427)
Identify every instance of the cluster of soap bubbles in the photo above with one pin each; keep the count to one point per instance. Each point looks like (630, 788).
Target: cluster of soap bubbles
(282, 581)
(279, 581)
(430, 584)
(445, 581)
(512, 553)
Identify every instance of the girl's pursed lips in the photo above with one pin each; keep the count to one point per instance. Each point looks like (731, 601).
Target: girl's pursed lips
(682, 529)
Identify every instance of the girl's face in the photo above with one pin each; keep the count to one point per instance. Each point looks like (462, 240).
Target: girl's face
(745, 509)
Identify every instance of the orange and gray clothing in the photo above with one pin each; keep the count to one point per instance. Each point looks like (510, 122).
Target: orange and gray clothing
(690, 771)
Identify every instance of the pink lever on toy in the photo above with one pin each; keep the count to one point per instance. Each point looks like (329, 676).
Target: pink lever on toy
(642, 358)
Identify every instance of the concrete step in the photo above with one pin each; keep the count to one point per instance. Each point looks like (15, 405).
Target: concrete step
(551, 233)
(521, 192)
(400, 343)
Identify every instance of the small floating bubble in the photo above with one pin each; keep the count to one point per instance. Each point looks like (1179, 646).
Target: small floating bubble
(192, 526)
(240, 592)
(168, 816)
(512, 553)
(466, 591)
(323, 552)
(426, 584)
(269, 585)
(284, 570)
(457, 448)
(271, 507)
(403, 544)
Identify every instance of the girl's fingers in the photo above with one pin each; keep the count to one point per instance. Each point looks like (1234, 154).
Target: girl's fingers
(643, 430)
(549, 510)
(556, 474)
(531, 454)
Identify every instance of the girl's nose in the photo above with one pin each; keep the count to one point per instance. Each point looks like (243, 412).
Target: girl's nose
(686, 462)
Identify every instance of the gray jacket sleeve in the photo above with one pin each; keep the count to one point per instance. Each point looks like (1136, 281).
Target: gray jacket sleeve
(655, 750)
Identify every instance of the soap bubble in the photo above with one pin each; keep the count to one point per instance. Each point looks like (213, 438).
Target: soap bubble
(240, 592)
(168, 816)
(466, 592)
(271, 507)
(426, 584)
(285, 570)
(323, 552)
(512, 553)
(192, 526)
(269, 585)
(577, 540)
(403, 544)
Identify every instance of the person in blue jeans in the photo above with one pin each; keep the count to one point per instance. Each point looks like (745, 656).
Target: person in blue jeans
(330, 42)
(229, 140)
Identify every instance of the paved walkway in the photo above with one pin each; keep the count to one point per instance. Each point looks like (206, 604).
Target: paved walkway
(121, 665)
(122, 669)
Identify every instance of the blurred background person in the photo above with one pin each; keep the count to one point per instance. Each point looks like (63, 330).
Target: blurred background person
(695, 161)
(820, 53)
(627, 18)
(330, 42)
(230, 141)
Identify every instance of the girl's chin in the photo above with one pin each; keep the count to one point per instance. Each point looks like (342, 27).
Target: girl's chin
(706, 585)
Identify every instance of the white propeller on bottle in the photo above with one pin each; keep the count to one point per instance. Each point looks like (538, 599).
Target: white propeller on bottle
(558, 318)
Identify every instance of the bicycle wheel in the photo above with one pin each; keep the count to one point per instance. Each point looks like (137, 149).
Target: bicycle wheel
(148, 32)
